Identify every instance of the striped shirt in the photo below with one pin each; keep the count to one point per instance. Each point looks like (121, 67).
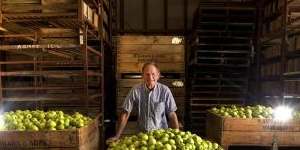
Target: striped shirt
(152, 106)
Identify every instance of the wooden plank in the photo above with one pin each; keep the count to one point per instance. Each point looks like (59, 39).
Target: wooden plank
(146, 40)
(59, 41)
(164, 67)
(150, 49)
(43, 73)
(17, 8)
(66, 5)
(20, 1)
(237, 124)
(255, 124)
(57, 32)
(159, 58)
(48, 97)
(259, 132)
(261, 138)
(36, 46)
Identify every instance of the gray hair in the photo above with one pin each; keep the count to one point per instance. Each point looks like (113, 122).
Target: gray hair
(150, 64)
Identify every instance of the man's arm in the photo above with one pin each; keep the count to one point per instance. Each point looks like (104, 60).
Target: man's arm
(173, 120)
(121, 125)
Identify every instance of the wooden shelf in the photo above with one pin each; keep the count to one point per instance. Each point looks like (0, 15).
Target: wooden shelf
(292, 75)
(216, 99)
(221, 65)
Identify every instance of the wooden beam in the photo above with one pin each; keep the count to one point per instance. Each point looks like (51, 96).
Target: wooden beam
(42, 62)
(17, 35)
(37, 46)
(52, 97)
(42, 73)
(41, 88)
(94, 51)
(37, 16)
(1, 17)
(1, 90)
(23, 8)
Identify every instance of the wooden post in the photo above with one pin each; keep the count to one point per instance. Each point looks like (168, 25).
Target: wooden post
(2, 60)
(1, 17)
(284, 46)
(35, 79)
(1, 90)
(85, 62)
(80, 13)
(101, 78)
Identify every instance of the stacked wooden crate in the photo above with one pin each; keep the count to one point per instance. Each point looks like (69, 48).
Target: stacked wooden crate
(219, 57)
(52, 57)
(134, 51)
(279, 44)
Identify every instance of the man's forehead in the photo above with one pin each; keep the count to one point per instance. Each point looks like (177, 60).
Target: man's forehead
(150, 68)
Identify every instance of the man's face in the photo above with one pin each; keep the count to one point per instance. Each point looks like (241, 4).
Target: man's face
(150, 76)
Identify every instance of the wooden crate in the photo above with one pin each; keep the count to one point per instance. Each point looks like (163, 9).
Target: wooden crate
(85, 138)
(58, 6)
(258, 132)
(95, 20)
(58, 36)
(134, 51)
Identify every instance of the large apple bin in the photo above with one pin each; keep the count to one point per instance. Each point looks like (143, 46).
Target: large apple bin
(84, 138)
(228, 131)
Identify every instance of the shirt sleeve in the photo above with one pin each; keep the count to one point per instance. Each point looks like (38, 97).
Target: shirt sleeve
(129, 101)
(170, 102)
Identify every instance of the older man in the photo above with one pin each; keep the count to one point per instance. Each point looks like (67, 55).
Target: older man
(154, 102)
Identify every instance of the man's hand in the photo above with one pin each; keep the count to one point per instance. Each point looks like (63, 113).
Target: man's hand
(122, 123)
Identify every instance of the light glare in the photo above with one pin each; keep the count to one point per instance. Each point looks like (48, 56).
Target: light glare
(282, 113)
(176, 40)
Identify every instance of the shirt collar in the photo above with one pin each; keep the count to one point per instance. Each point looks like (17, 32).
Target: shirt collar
(146, 88)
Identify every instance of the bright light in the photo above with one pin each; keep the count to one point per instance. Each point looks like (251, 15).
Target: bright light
(177, 83)
(282, 113)
(3, 29)
(2, 123)
(176, 40)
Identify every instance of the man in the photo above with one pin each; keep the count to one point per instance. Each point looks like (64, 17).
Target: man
(154, 102)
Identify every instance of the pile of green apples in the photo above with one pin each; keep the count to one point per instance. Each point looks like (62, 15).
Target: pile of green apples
(164, 139)
(258, 111)
(296, 115)
(39, 120)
